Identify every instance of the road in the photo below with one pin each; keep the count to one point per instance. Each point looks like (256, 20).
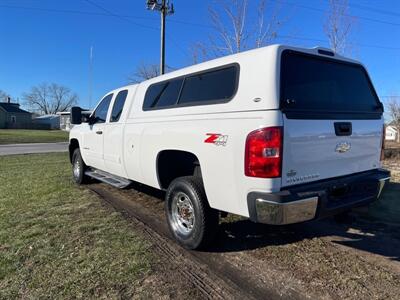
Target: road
(33, 148)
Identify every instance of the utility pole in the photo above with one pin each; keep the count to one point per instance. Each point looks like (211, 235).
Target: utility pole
(162, 53)
(90, 77)
(165, 9)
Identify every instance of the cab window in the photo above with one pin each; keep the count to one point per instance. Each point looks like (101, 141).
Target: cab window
(100, 114)
(118, 106)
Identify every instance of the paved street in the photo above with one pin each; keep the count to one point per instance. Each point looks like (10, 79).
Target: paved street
(33, 148)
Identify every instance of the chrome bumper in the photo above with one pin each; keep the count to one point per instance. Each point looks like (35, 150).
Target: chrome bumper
(316, 200)
(286, 213)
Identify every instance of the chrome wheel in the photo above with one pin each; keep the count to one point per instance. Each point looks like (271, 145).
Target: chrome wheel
(76, 167)
(183, 219)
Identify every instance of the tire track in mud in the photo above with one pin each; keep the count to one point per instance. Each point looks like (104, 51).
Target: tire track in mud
(214, 278)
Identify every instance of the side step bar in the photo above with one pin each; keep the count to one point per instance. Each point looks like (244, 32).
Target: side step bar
(111, 179)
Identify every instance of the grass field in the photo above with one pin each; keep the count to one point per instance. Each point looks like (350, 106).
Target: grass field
(387, 209)
(21, 136)
(58, 240)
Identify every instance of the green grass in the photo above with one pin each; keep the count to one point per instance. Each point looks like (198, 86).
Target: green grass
(21, 136)
(58, 240)
(387, 208)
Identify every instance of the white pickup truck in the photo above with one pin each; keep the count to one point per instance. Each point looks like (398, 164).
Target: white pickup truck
(278, 134)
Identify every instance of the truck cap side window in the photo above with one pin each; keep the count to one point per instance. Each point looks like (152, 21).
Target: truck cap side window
(100, 114)
(314, 85)
(218, 86)
(163, 94)
(118, 106)
(211, 86)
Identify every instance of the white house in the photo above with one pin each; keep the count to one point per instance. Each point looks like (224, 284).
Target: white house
(391, 133)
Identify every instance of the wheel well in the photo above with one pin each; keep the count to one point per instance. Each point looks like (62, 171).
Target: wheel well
(172, 164)
(73, 144)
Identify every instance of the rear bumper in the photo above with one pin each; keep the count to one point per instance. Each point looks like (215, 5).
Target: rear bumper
(316, 200)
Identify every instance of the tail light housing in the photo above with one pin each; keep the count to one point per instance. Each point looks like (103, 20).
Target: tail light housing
(383, 143)
(263, 154)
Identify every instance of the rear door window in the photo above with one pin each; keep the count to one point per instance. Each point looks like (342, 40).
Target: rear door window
(118, 106)
(311, 83)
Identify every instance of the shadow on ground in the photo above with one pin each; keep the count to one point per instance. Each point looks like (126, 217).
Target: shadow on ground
(365, 230)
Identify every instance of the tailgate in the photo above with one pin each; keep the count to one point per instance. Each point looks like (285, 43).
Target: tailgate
(313, 151)
(332, 118)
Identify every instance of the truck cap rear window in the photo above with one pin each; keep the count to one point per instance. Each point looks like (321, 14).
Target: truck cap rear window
(314, 85)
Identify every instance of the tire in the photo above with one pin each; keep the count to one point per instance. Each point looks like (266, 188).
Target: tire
(190, 219)
(78, 168)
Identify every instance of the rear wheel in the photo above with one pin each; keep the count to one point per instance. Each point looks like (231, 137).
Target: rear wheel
(192, 222)
(78, 168)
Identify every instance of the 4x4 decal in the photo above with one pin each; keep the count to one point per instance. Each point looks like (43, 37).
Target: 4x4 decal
(216, 139)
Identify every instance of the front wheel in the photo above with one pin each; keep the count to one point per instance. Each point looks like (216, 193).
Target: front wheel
(192, 222)
(78, 168)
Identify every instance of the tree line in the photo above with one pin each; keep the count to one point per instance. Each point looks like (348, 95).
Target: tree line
(234, 29)
(239, 25)
(236, 26)
(46, 98)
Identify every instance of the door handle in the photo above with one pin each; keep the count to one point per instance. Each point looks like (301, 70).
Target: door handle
(99, 132)
(343, 128)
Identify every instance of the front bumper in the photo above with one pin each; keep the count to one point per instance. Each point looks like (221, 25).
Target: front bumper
(316, 200)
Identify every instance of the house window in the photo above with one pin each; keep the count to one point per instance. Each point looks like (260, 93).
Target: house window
(13, 119)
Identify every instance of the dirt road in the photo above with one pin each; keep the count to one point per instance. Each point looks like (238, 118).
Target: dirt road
(322, 259)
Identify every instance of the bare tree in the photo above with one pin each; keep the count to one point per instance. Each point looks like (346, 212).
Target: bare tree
(146, 71)
(3, 96)
(394, 112)
(234, 31)
(50, 98)
(198, 51)
(338, 26)
(267, 31)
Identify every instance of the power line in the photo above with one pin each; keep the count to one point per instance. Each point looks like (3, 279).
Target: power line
(90, 13)
(137, 24)
(374, 10)
(110, 13)
(325, 11)
(128, 19)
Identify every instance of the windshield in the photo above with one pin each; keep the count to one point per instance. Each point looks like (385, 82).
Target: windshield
(315, 84)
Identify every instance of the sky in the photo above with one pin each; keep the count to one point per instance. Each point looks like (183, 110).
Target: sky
(49, 41)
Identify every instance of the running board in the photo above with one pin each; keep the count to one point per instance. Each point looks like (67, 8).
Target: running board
(111, 179)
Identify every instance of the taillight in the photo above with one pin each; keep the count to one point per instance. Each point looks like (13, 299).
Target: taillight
(263, 155)
(383, 144)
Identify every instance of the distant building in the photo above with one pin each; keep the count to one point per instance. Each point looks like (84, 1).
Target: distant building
(65, 119)
(11, 116)
(391, 133)
(47, 122)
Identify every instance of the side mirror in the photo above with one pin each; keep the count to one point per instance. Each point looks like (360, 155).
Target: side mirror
(76, 115)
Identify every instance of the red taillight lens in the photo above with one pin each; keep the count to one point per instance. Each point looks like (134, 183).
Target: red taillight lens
(263, 156)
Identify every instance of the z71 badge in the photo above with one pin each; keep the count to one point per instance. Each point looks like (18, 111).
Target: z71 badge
(216, 139)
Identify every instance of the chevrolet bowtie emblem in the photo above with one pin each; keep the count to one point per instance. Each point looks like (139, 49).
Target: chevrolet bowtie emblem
(343, 147)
